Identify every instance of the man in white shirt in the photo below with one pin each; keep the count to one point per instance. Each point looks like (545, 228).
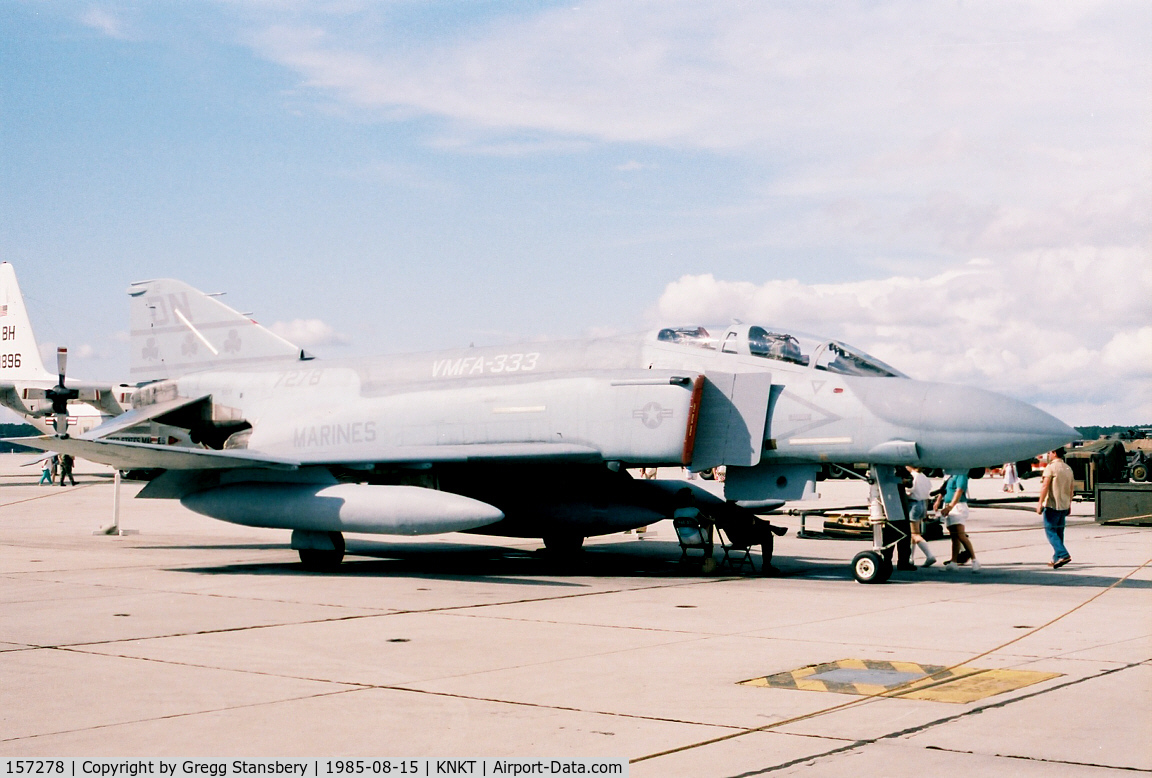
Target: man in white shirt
(1055, 504)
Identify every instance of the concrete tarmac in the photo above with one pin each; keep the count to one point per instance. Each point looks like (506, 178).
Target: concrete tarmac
(200, 638)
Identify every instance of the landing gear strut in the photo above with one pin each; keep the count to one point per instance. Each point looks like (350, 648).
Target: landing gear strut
(884, 506)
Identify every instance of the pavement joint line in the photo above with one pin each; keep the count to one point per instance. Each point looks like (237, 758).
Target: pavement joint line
(356, 616)
(168, 716)
(565, 708)
(894, 692)
(246, 671)
(1042, 760)
(80, 650)
(359, 686)
(63, 490)
(102, 585)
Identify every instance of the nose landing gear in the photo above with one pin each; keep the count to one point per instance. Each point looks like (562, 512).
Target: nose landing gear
(871, 567)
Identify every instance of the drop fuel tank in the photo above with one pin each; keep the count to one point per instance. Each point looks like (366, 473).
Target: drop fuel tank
(383, 510)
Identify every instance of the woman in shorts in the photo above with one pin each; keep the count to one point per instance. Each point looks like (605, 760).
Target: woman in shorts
(955, 511)
(918, 509)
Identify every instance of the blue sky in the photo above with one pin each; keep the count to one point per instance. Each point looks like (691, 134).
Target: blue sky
(963, 189)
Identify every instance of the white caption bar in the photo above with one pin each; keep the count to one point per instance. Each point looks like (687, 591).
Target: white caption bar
(202, 767)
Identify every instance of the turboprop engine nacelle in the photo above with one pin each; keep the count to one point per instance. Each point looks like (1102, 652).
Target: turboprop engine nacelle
(384, 510)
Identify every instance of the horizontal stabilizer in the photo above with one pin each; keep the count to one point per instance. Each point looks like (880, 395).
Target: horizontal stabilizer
(133, 456)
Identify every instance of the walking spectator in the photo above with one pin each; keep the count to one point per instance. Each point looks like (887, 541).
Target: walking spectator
(1011, 480)
(918, 510)
(955, 510)
(66, 469)
(45, 472)
(1055, 504)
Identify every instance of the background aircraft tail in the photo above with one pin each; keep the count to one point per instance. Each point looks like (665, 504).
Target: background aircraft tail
(19, 353)
(177, 329)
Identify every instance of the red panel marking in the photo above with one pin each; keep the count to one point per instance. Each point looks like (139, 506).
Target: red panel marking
(693, 420)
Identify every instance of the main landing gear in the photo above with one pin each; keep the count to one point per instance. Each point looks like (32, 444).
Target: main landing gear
(320, 552)
(563, 545)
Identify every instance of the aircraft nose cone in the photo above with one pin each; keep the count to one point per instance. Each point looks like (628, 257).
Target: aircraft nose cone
(964, 427)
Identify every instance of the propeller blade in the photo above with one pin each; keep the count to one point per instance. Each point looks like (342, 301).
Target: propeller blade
(62, 362)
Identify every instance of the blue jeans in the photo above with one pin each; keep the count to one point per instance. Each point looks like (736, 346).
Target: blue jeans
(1054, 529)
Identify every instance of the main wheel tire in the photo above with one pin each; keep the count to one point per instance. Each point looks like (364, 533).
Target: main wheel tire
(1140, 473)
(868, 567)
(563, 544)
(321, 560)
(317, 561)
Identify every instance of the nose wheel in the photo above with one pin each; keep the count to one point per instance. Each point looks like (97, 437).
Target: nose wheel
(870, 567)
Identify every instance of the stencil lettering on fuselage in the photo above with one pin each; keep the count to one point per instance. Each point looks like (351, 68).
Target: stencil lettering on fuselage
(321, 435)
(789, 420)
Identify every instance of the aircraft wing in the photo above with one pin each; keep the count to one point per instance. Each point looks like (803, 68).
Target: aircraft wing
(130, 456)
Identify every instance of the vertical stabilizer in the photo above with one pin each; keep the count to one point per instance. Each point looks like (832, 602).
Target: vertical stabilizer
(19, 355)
(177, 329)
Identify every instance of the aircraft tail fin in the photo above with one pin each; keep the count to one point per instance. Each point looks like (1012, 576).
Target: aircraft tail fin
(177, 329)
(19, 353)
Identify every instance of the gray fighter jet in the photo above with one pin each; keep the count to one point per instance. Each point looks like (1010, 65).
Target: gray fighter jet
(524, 441)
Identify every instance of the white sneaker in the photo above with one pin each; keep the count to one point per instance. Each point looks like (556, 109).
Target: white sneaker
(928, 562)
(950, 565)
(975, 566)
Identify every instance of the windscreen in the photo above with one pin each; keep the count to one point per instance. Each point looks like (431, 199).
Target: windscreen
(839, 358)
(689, 336)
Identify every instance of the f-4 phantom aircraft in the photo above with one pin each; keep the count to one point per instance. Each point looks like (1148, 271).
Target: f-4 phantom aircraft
(526, 441)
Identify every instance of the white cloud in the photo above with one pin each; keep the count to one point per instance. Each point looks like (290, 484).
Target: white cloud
(1131, 351)
(1066, 329)
(48, 355)
(733, 74)
(104, 22)
(984, 126)
(309, 333)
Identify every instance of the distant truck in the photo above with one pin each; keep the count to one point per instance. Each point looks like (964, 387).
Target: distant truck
(1138, 449)
(1116, 459)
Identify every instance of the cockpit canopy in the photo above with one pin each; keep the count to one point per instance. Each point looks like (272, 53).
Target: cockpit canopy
(797, 348)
